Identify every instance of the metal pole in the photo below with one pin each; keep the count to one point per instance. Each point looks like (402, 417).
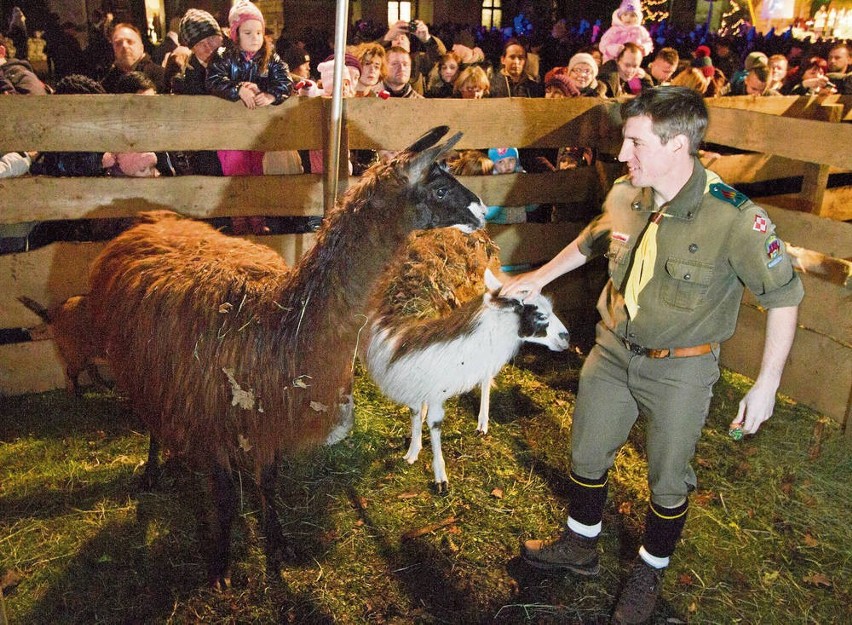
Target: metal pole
(333, 162)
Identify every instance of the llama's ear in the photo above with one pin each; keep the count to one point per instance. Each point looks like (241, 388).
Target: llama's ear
(491, 282)
(422, 162)
(428, 140)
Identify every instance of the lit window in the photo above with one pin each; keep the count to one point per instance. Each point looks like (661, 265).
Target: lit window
(492, 14)
(399, 11)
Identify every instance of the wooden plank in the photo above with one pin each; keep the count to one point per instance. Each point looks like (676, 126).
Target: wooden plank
(521, 244)
(32, 367)
(522, 122)
(122, 123)
(818, 372)
(802, 107)
(42, 198)
(803, 139)
(574, 185)
(746, 168)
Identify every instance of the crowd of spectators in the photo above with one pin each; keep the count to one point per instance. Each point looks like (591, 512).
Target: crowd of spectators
(415, 60)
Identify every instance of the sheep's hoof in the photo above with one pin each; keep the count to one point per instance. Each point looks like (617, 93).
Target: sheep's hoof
(481, 432)
(442, 488)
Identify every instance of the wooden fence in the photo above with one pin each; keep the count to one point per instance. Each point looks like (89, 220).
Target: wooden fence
(785, 137)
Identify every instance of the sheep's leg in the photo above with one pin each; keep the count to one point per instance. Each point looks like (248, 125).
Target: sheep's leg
(151, 475)
(416, 444)
(224, 507)
(275, 543)
(484, 405)
(435, 420)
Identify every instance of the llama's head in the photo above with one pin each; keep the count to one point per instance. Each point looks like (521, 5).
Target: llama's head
(538, 323)
(436, 198)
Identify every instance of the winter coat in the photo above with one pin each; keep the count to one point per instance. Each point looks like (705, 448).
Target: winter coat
(503, 87)
(618, 34)
(230, 67)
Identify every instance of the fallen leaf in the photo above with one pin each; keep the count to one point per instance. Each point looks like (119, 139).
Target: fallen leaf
(300, 381)
(428, 529)
(318, 407)
(10, 579)
(818, 579)
(770, 577)
(226, 308)
(810, 541)
(244, 443)
(497, 493)
(685, 579)
(408, 495)
(693, 608)
(625, 508)
(703, 462)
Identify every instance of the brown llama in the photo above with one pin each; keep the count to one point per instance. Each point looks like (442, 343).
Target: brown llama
(230, 358)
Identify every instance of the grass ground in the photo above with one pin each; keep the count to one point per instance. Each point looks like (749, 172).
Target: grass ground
(769, 538)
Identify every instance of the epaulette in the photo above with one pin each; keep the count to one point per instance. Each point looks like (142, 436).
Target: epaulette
(728, 194)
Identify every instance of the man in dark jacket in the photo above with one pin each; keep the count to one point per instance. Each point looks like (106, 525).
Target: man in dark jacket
(130, 57)
(19, 73)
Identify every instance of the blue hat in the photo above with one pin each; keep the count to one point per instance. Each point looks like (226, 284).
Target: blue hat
(498, 154)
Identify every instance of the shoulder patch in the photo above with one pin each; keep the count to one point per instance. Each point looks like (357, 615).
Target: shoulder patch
(728, 194)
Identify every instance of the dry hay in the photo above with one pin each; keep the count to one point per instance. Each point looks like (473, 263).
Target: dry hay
(437, 272)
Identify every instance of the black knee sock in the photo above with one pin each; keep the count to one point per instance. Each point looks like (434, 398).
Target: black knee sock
(586, 498)
(663, 527)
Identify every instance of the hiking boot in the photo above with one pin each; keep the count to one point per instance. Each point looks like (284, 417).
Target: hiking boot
(569, 552)
(639, 596)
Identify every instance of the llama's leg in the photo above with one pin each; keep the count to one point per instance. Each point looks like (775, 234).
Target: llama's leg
(417, 418)
(275, 544)
(224, 507)
(484, 405)
(151, 475)
(435, 421)
(96, 377)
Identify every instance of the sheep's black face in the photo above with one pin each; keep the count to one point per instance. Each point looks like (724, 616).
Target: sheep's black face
(442, 201)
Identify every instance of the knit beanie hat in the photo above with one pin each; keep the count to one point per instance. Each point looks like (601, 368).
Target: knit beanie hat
(557, 78)
(295, 56)
(197, 25)
(703, 61)
(498, 154)
(243, 11)
(326, 69)
(584, 57)
(630, 5)
(756, 59)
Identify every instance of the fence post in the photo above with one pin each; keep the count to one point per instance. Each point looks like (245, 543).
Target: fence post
(815, 181)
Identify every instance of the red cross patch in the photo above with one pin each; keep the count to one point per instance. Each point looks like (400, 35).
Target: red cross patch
(759, 223)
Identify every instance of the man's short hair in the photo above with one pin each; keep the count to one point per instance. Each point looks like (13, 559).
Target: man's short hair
(839, 45)
(673, 111)
(399, 50)
(761, 72)
(630, 47)
(127, 25)
(669, 55)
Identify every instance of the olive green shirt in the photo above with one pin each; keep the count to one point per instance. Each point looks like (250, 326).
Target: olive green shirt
(712, 242)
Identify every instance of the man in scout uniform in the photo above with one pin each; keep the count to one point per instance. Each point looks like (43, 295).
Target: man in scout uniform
(681, 244)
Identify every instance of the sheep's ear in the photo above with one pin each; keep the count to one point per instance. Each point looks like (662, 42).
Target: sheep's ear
(422, 162)
(428, 140)
(492, 283)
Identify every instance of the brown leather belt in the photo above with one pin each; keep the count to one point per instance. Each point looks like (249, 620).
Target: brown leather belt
(676, 352)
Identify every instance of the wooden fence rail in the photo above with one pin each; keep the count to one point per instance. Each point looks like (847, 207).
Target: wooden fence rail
(784, 137)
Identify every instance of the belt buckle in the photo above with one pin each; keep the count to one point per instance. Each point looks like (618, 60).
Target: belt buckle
(634, 348)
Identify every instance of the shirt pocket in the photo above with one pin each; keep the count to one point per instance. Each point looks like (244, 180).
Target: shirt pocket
(618, 255)
(686, 283)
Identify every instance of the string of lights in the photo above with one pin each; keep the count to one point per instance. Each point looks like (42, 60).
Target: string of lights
(654, 11)
(733, 18)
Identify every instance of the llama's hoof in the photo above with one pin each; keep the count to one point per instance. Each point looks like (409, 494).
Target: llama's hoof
(220, 583)
(150, 478)
(442, 488)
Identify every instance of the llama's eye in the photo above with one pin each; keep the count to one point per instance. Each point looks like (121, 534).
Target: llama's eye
(441, 193)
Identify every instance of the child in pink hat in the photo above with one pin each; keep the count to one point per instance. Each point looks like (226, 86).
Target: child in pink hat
(626, 26)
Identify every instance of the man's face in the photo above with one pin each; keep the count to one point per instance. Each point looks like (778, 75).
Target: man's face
(371, 71)
(127, 47)
(648, 160)
(514, 60)
(205, 48)
(753, 84)
(251, 35)
(399, 70)
(628, 65)
(838, 60)
(662, 70)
